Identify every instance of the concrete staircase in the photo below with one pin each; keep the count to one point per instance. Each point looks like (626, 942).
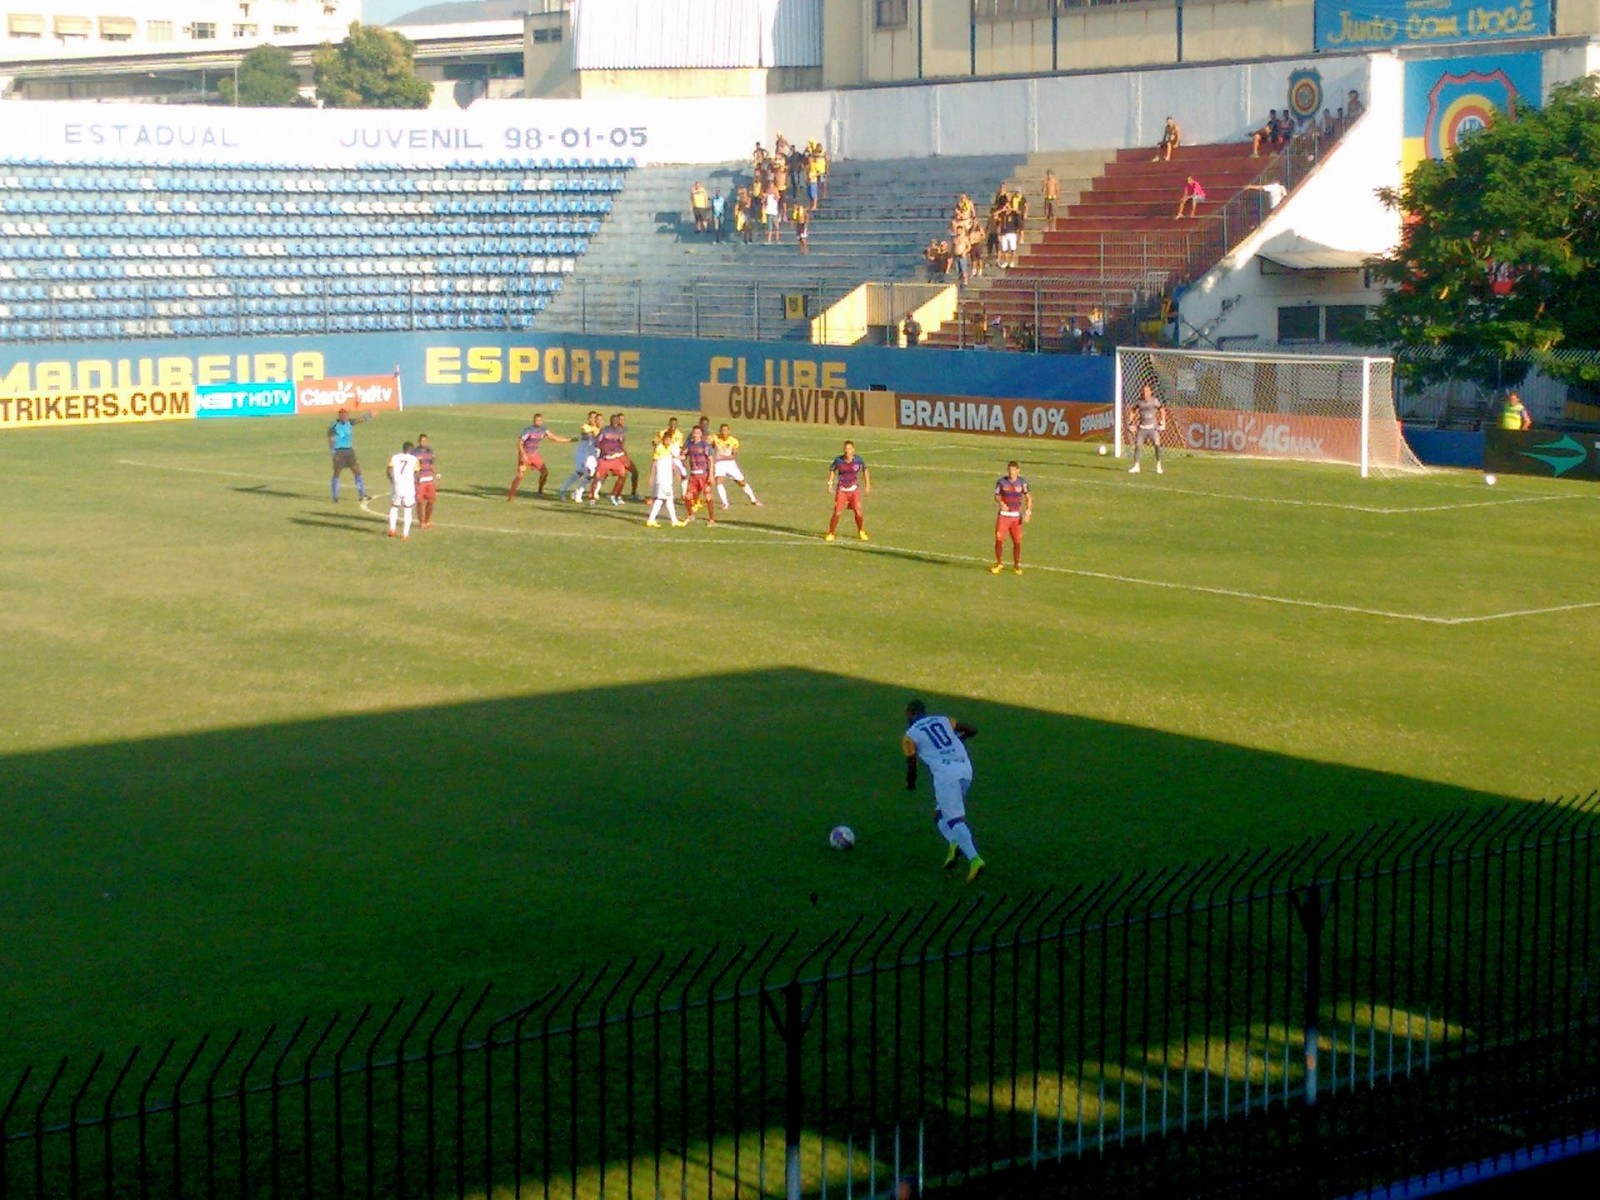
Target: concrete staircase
(650, 272)
(1116, 245)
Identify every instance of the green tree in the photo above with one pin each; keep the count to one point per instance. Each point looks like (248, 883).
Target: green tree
(1500, 255)
(267, 79)
(373, 67)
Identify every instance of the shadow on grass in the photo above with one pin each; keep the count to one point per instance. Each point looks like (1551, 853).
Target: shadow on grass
(337, 858)
(240, 877)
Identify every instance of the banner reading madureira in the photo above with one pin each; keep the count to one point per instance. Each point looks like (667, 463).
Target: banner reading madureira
(372, 393)
(95, 408)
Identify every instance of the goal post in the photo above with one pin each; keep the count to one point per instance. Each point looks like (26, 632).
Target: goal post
(1320, 408)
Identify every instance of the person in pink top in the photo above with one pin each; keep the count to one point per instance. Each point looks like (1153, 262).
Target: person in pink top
(1193, 193)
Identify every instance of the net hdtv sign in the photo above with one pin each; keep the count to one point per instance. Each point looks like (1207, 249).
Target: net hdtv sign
(221, 400)
(356, 393)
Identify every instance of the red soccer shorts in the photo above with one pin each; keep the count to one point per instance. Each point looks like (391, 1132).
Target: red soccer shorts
(1005, 526)
(844, 500)
(699, 488)
(427, 490)
(535, 461)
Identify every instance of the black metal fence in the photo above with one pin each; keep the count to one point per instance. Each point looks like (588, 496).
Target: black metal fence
(1075, 1027)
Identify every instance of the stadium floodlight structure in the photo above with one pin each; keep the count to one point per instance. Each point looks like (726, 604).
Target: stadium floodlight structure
(1323, 408)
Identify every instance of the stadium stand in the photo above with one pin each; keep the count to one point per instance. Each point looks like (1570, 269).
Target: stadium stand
(652, 273)
(129, 250)
(1116, 248)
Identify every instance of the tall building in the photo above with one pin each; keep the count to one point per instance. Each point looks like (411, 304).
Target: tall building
(57, 29)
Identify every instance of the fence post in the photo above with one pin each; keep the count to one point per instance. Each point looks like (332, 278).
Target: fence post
(791, 1024)
(1313, 913)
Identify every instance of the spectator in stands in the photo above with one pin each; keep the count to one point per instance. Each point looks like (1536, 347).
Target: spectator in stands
(1193, 194)
(1010, 225)
(1072, 336)
(1285, 133)
(741, 215)
(1513, 414)
(1171, 137)
(912, 330)
(960, 245)
(719, 214)
(1329, 132)
(758, 161)
(700, 205)
(964, 208)
(1339, 123)
(816, 171)
(1267, 132)
(781, 147)
(801, 217)
(780, 175)
(819, 166)
(771, 212)
(1353, 108)
(1272, 193)
(797, 171)
(936, 257)
(1052, 193)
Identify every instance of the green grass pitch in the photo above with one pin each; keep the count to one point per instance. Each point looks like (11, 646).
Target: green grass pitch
(259, 761)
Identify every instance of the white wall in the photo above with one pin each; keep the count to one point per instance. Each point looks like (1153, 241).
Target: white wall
(1336, 206)
(1077, 112)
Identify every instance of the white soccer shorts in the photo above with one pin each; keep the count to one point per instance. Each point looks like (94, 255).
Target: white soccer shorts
(728, 469)
(950, 793)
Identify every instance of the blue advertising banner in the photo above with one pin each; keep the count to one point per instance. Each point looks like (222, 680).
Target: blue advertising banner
(1379, 24)
(537, 368)
(214, 400)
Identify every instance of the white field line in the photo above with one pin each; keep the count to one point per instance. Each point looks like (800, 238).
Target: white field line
(1374, 509)
(788, 538)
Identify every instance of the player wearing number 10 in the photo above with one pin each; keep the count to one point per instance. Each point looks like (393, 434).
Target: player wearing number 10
(941, 744)
(1016, 508)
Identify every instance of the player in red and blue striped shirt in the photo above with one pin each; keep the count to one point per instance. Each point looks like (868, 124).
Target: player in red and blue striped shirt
(849, 480)
(528, 455)
(1015, 503)
(427, 481)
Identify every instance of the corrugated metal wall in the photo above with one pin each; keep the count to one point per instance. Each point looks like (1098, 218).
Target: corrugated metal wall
(631, 34)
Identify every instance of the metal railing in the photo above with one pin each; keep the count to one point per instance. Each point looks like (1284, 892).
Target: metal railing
(1436, 977)
(755, 310)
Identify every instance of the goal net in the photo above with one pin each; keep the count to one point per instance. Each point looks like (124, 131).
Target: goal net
(1326, 408)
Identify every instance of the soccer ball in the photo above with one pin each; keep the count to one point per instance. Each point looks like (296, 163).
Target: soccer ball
(1490, 480)
(841, 837)
(1102, 450)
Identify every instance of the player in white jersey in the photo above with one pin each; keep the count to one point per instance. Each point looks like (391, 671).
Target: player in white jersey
(402, 488)
(664, 467)
(584, 460)
(941, 744)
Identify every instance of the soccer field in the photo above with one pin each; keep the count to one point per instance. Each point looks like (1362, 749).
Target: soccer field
(260, 760)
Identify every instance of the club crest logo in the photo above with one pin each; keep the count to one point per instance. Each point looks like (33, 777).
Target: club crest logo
(1461, 103)
(1305, 94)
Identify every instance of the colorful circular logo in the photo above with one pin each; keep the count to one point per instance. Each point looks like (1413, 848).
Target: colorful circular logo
(1305, 94)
